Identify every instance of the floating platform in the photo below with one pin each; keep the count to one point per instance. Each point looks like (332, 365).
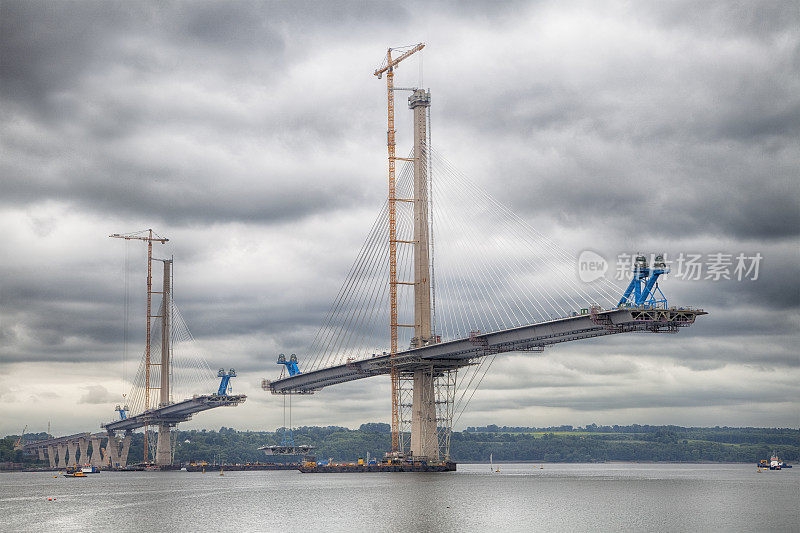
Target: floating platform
(288, 449)
(244, 467)
(308, 468)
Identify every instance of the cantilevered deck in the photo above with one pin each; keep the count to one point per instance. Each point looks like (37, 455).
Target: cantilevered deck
(462, 352)
(176, 412)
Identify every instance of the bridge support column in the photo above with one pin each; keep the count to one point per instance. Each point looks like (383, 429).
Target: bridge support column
(62, 456)
(97, 458)
(72, 453)
(112, 451)
(83, 444)
(106, 460)
(424, 440)
(126, 446)
(163, 446)
(51, 456)
(41, 454)
(420, 101)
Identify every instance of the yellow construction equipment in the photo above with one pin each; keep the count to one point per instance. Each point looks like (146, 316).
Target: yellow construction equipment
(18, 444)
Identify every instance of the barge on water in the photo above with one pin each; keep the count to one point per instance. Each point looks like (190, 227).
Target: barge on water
(314, 468)
(241, 467)
(391, 463)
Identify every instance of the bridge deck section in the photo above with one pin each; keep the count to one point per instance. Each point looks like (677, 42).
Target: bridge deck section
(32, 446)
(176, 412)
(463, 352)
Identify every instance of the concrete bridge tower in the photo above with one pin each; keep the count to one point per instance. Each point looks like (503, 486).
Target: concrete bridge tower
(164, 444)
(424, 440)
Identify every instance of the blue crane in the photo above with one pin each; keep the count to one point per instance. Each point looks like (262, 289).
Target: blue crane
(643, 289)
(123, 412)
(224, 383)
(291, 364)
(293, 369)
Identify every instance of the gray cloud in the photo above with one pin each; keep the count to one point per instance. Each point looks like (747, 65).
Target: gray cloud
(97, 394)
(252, 134)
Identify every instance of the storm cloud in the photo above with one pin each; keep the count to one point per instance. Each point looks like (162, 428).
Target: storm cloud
(252, 134)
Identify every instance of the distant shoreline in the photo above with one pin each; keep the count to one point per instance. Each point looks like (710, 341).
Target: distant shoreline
(526, 462)
(524, 445)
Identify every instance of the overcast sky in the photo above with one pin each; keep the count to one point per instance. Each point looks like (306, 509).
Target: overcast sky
(252, 135)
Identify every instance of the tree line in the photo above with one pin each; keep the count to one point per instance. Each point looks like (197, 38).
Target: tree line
(552, 444)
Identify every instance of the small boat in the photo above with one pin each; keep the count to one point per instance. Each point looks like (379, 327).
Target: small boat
(76, 473)
(89, 469)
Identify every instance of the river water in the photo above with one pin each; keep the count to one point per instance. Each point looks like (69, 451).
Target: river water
(522, 497)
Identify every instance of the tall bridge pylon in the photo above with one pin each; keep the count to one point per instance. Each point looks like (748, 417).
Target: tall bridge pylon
(424, 442)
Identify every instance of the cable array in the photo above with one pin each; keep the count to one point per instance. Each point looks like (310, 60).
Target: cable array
(493, 271)
(190, 372)
(357, 324)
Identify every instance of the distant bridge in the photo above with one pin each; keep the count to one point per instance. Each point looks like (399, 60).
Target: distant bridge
(73, 450)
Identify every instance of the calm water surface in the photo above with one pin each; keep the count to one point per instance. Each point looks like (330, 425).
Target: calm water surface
(558, 497)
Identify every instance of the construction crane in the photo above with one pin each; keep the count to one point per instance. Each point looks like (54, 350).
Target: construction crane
(18, 445)
(291, 365)
(224, 383)
(123, 411)
(643, 289)
(150, 237)
(388, 68)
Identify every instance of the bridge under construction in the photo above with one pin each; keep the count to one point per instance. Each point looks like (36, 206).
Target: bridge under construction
(526, 315)
(151, 395)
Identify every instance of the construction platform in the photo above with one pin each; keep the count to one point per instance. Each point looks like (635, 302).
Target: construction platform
(287, 449)
(316, 468)
(242, 467)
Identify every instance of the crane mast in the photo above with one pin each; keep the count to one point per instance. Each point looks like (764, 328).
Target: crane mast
(391, 64)
(18, 444)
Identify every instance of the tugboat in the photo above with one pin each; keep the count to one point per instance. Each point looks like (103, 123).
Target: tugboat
(74, 472)
(774, 463)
